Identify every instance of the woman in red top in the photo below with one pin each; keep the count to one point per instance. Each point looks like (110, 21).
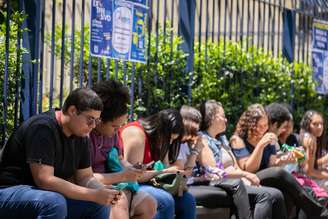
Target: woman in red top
(151, 139)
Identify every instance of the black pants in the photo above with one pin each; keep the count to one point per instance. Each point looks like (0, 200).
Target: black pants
(266, 202)
(293, 192)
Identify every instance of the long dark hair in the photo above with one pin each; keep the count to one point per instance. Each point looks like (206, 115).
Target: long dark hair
(159, 128)
(305, 127)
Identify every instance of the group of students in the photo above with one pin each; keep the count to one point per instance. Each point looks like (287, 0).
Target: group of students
(84, 161)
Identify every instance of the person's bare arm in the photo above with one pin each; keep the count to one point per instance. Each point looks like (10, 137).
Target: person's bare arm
(252, 162)
(44, 178)
(133, 140)
(322, 160)
(309, 143)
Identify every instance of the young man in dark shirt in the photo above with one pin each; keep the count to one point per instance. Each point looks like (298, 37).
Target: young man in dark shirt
(45, 169)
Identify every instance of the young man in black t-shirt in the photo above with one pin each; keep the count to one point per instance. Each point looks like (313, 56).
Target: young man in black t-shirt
(45, 169)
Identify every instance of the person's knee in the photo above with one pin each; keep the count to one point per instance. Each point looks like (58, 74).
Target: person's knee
(147, 208)
(280, 173)
(265, 197)
(277, 195)
(53, 204)
(165, 201)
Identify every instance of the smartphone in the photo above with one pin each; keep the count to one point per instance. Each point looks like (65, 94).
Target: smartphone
(148, 165)
(143, 166)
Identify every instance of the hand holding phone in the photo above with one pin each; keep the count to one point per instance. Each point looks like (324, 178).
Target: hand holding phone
(143, 166)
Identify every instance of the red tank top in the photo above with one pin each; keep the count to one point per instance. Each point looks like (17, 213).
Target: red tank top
(147, 155)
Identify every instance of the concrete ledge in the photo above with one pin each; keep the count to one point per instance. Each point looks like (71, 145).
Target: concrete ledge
(212, 213)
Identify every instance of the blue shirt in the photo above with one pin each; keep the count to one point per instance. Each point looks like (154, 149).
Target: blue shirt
(248, 150)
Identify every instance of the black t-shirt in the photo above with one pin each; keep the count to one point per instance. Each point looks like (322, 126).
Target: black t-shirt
(40, 139)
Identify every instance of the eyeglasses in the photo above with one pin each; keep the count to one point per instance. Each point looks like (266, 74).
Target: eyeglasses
(90, 120)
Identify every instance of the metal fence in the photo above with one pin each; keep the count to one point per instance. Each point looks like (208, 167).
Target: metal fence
(40, 66)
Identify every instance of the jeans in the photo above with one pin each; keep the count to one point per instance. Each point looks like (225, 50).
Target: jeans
(24, 201)
(279, 178)
(182, 207)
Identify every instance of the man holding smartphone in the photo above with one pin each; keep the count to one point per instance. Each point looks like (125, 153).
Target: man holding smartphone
(45, 169)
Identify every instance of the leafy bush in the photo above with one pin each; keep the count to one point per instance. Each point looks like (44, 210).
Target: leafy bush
(230, 73)
(14, 55)
(238, 77)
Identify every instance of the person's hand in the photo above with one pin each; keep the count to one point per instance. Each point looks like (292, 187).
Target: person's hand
(198, 144)
(288, 157)
(255, 181)
(171, 169)
(132, 174)
(310, 143)
(212, 176)
(268, 138)
(105, 196)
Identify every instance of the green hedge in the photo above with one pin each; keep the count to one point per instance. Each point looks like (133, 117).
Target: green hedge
(14, 61)
(231, 74)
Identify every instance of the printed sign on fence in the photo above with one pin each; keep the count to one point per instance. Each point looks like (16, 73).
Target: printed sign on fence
(320, 56)
(117, 29)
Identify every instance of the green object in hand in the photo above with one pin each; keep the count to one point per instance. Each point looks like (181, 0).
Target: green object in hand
(158, 166)
(298, 153)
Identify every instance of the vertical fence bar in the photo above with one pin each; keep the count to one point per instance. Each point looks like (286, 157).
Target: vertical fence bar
(308, 42)
(242, 22)
(5, 80)
(81, 73)
(225, 25)
(132, 91)
(200, 36)
(269, 26)
(279, 26)
(107, 68)
(125, 78)
(259, 24)
(230, 20)
(206, 29)
(273, 29)
(116, 69)
(237, 23)
(263, 27)
(17, 77)
(52, 64)
(35, 55)
(99, 78)
(90, 71)
(253, 24)
(248, 23)
(41, 55)
(157, 42)
(62, 61)
(164, 21)
(213, 19)
(168, 95)
(219, 21)
(72, 47)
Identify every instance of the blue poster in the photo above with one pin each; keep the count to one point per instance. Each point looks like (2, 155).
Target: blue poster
(320, 56)
(117, 29)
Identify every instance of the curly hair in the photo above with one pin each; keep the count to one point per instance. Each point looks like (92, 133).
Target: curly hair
(248, 120)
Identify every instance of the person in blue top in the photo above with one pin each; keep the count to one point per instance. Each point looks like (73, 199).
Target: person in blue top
(253, 144)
